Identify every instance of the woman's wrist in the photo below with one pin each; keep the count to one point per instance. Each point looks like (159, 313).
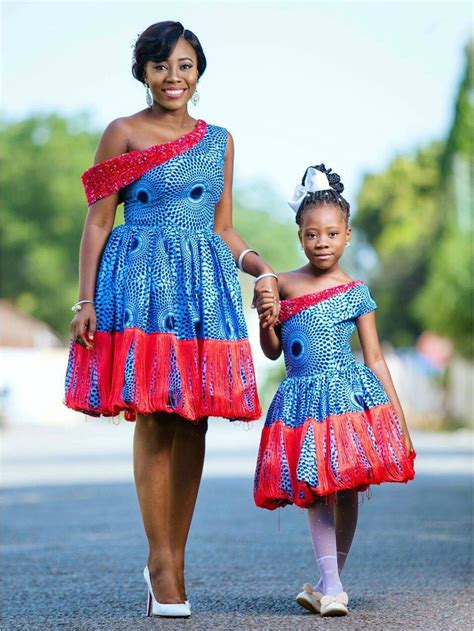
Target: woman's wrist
(249, 261)
(81, 304)
(265, 275)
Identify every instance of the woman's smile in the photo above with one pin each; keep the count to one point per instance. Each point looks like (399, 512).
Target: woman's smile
(174, 93)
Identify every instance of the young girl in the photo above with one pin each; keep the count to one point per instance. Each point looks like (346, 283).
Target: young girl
(335, 426)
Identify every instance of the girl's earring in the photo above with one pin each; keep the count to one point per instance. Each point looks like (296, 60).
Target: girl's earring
(195, 98)
(348, 243)
(148, 96)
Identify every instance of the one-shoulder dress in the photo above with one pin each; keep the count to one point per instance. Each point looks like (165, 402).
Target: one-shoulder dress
(171, 335)
(330, 426)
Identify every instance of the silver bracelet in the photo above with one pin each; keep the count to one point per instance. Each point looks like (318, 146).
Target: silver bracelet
(242, 255)
(267, 274)
(78, 306)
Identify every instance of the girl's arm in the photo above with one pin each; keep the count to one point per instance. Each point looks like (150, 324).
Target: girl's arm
(97, 227)
(253, 264)
(270, 342)
(374, 359)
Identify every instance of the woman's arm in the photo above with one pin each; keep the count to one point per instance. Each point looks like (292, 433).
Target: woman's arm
(97, 227)
(253, 264)
(374, 359)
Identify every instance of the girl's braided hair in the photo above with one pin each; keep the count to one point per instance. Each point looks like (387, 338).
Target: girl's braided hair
(331, 196)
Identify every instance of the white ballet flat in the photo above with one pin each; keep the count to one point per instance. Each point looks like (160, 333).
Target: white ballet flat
(334, 605)
(165, 610)
(309, 599)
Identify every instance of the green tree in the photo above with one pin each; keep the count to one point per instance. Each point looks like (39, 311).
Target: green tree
(398, 213)
(41, 159)
(445, 302)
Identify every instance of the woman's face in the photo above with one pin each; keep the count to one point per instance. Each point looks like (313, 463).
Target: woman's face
(173, 82)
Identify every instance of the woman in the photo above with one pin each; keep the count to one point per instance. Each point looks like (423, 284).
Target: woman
(158, 331)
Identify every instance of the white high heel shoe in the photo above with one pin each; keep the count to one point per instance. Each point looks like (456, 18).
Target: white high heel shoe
(165, 610)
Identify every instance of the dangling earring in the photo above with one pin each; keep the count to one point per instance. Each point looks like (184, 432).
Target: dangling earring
(148, 96)
(348, 243)
(195, 98)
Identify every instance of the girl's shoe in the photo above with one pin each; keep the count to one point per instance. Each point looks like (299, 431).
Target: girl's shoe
(334, 605)
(309, 599)
(154, 608)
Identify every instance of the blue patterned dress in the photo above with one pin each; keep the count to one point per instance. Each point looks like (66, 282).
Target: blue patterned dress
(171, 334)
(330, 426)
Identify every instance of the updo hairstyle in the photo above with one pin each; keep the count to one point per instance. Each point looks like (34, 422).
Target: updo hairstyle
(330, 197)
(157, 42)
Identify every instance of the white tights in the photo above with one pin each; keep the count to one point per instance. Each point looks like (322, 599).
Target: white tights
(332, 530)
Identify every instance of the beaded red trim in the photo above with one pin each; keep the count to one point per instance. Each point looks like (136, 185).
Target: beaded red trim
(292, 306)
(109, 176)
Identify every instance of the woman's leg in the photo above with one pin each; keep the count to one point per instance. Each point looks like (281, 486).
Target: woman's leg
(152, 449)
(187, 461)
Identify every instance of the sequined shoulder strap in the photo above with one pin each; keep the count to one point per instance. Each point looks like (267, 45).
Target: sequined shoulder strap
(110, 176)
(292, 306)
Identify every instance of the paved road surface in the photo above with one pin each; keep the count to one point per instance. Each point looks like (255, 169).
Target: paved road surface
(73, 556)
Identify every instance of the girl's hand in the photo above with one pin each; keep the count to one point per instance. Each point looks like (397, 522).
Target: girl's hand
(266, 301)
(83, 326)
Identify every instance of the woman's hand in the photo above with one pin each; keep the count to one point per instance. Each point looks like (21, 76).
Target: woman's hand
(266, 300)
(83, 326)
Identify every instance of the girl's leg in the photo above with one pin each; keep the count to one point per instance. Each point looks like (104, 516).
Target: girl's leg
(152, 449)
(345, 512)
(323, 535)
(187, 460)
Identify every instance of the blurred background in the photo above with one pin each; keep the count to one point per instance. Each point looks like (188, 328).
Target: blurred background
(380, 92)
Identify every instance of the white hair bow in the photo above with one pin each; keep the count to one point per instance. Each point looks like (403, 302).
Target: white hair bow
(315, 180)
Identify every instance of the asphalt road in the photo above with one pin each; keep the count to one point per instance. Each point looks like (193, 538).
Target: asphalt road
(73, 557)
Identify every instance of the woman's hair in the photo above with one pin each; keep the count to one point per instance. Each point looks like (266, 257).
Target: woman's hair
(157, 42)
(330, 197)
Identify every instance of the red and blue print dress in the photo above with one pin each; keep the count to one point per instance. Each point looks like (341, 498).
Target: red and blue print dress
(330, 426)
(171, 334)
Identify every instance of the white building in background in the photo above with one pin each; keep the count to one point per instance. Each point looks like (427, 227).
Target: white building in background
(32, 369)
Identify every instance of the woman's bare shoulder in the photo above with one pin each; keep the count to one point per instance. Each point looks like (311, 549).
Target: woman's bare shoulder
(117, 136)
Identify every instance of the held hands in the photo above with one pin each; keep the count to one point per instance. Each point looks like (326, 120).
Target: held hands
(83, 326)
(266, 301)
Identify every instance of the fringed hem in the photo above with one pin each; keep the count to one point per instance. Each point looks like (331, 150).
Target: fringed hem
(137, 372)
(317, 459)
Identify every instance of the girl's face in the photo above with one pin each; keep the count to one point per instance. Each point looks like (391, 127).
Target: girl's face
(323, 234)
(173, 82)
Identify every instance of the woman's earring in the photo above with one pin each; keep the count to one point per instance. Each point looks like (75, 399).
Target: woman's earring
(195, 98)
(148, 96)
(348, 244)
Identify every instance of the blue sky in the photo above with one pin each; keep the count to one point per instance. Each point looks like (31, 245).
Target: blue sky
(348, 84)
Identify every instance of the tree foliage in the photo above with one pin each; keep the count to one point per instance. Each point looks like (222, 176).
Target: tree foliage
(41, 161)
(398, 213)
(445, 303)
(417, 216)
